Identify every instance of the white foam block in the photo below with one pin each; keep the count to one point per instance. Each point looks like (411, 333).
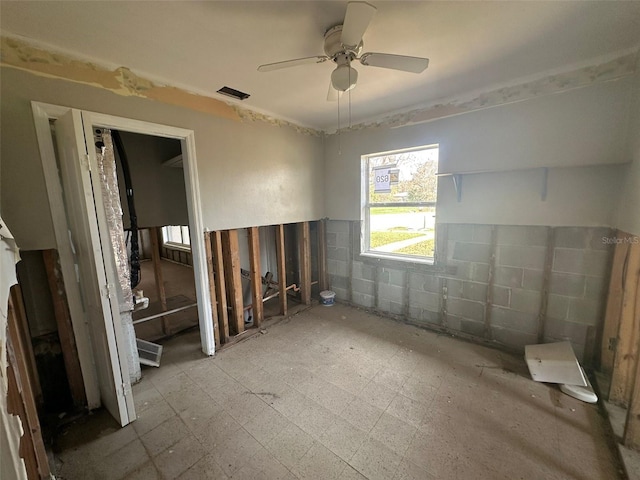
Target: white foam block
(554, 363)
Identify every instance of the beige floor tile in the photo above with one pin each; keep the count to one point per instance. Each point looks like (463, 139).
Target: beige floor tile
(122, 462)
(377, 395)
(205, 468)
(216, 430)
(408, 410)
(393, 433)
(147, 472)
(343, 439)
(319, 463)
(179, 458)
(266, 426)
(233, 453)
(375, 461)
(151, 418)
(361, 414)
(410, 471)
(290, 445)
(314, 419)
(164, 435)
(350, 473)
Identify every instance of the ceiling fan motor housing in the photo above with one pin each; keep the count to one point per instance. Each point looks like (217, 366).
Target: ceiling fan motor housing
(333, 46)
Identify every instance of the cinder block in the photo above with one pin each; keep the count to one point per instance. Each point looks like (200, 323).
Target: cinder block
(428, 283)
(557, 307)
(521, 256)
(466, 308)
(341, 293)
(472, 252)
(501, 296)
(532, 279)
(474, 291)
(523, 235)
(452, 322)
(331, 239)
(513, 338)
(471, 327)
(342, 240)
(562, 330)
(480, 272)
(460, 231)
(396, 308)
(425, 300)
(572, 237)
(482, 233)
(337, 267)
(463, 269)
(599, 238)
(454, 288)
(397, 277)
(336, 281)
(338, 226)
(585, 262)
(527, 301)
(586, 311)
(366, 301)
(596, 288)
(514, 320)
(363, 271)
(417, 281)
(337, 253)
(391, 293)
(362, 286)
(384, 305)
(383, 276)
(567, 284)
(508, 276)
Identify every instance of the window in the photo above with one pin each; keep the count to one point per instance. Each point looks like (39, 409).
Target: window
(399, 204)
(176, 236)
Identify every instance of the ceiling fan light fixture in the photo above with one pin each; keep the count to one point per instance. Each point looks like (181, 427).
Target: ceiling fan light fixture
(344, 78)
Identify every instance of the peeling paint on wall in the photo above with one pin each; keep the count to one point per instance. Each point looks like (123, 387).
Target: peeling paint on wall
(548, 85)
(122, 81)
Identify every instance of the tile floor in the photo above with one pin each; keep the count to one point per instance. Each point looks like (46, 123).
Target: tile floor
(336, 393)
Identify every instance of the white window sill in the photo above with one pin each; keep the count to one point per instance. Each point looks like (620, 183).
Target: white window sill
(399, 258)
(178, 246)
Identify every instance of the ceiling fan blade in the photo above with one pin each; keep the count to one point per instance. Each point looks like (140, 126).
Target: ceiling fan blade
(333, 95)
(395, 62)
(268, 67)
(356, 21)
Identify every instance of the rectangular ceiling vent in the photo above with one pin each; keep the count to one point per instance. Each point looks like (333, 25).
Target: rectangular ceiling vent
(231, 92)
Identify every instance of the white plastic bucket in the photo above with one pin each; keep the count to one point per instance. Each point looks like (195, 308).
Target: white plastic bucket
(327, 298)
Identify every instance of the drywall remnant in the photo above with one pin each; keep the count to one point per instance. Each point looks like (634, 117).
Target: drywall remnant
(546, 85)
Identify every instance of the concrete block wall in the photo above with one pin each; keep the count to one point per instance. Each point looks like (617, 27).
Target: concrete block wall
(488, 282)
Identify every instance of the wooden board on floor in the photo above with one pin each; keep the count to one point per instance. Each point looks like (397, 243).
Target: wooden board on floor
(255, 275)
(626, 358)
(65, 329)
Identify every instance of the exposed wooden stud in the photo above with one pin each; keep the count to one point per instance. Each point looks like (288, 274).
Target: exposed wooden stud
(23, 323)
(282, 268)
(304, 245)
(220, 283)
(632, 425)
(614, 307)
(546, 278)
(626, 357)
(154, 233)
(212, 287)
(489, 298)
(255, 272)
(231, 253)
(31, 444)
(65, 329)
(323, 281)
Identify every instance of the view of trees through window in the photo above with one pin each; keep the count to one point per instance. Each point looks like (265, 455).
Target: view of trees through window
(401, 202)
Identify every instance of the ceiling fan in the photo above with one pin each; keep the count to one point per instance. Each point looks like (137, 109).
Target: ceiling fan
(343, 44)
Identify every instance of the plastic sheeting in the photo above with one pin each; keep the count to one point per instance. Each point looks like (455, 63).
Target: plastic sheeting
(113, 211)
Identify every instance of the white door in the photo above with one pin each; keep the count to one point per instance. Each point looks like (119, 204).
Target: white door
(84, 211)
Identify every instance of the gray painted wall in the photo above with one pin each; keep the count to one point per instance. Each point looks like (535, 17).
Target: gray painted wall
(578, 129)
(251, 173)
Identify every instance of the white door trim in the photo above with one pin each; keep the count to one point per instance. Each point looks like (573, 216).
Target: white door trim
(42, 113)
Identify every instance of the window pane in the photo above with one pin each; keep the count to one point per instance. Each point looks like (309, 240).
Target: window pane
(404, 177)
(403, 230)
(185, 236)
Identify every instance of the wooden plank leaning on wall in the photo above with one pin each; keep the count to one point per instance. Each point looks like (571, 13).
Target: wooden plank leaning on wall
(155, 235)
(304, 245)
(208, 248)
(255, 276)
(20, 401)
(231, 253)
(282, 268)
(623, 317)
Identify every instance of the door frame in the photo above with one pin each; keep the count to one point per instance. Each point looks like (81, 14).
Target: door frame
(42, 114)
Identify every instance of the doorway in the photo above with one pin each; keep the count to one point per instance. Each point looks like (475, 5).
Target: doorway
(86, 258)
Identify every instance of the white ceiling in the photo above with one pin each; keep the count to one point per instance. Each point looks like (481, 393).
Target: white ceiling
(202, 46)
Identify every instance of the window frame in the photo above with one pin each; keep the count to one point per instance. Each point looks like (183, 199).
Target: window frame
(177, 245)
(366, 205)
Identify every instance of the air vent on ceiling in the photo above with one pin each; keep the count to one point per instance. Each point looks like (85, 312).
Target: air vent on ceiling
(231, 92)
